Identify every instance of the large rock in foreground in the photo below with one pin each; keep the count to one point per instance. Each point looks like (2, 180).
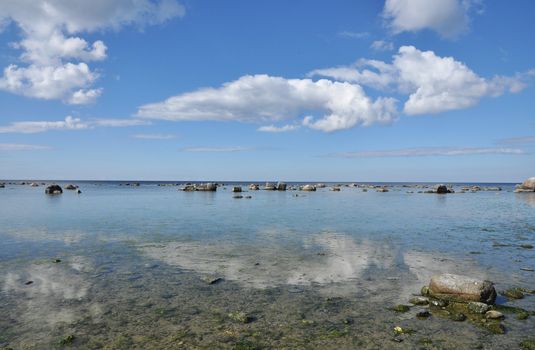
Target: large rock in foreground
(527, 186)
(53, 189)
(461, 288)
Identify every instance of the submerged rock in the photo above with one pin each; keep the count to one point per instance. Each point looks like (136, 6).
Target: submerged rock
(419, 301)
(281, 186)
(308, 188)
(423, 314)
(513, 293)
(236, 189)
(71, 187)
(240, 316)
(461, 288)
(400, 308)
(254, 187)
(270, 187)
(478, 307)
(53, 189)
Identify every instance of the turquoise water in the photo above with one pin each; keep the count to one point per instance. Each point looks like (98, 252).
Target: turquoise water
(316, 270)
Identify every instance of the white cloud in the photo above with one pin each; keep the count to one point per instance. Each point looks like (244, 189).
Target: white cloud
(430, 151)
(154, 136)
(381, 45)
(21, 147)
(449, 18)
(263, 98)
(56, 58)
(273, 128)
(434, 84)
(520, 140)
(70, 123)
(216, 149)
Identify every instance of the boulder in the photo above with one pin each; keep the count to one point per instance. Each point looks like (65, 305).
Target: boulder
(461, 288)
(71, 187)
(308, 188)
(208, 187)
(270, 187)
(335, 189)
(320, 185)
(526, 186)
(236, 189)
(53, 189)
(382, 189)
(254, 187)
(281, 186)
(2, 185)
(441, 189)
(34, 184)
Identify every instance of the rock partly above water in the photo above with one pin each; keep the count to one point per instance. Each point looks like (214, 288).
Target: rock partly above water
(526, 186)
(461, 288)
(53, 189)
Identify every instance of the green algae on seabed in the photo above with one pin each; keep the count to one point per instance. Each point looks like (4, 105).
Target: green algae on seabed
(527, 344)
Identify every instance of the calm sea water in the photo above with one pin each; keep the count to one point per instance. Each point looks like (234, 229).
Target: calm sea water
(316, 270)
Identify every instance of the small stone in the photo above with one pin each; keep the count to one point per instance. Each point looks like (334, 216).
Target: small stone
(526, 246)
(423, 314)
(424, 291)
(458, 317)
(494, 315)
(419, 301)
(477, 307)
(400, 308)
(438, 303)
(56, 261)
(28, 283)
(513, 293)
(237, 196)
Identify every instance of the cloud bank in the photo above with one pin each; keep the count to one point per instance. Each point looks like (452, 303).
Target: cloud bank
(70, 123)
(429, 151)
(324, 105)
(55, 59)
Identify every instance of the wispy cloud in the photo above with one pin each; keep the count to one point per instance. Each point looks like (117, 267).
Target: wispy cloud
(69, 123)
(381, 45)
(21, 147)
(154, 136)
(216, 149)
(273, 128)
(354, 35)
(429, 151)
(521, 140)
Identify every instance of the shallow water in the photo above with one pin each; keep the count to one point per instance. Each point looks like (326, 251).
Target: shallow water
(319, 270)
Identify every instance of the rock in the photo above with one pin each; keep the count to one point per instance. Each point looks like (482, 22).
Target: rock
(207, 187)
(513, 293)
(28, 283)
(188, 188)
(526, 186)
(236, 189)
(79, 191)
(382, 189)
(526, 246)
(320, 185)
(56, 261)
(281, 186)
(335, 189)
(240, 316)
(53, 189)
(254, 187)
(270, 187)
(401, 308)
(423, 314)
(495, 327)
(419, 301)
(248, 197)
(34, 184)
(424, 291)
(238, 196)
(441, 189)
(527, 344)
(478, 307)
(71, 187)
(457, 316)
(308, 188)
(461, 288)
(438, 303)
(494, 315)
(2, 186)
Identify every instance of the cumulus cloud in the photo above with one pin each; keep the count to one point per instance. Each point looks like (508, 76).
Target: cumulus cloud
(70, 123)
(449, 18)
(434, 84)
(430, 151)
(273, 128)
(263, 98)
(55, 57)
(21, 147)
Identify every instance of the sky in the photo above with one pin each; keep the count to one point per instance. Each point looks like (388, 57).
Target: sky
(304, 90)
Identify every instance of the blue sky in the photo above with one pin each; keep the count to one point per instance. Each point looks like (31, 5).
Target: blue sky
(395, 90)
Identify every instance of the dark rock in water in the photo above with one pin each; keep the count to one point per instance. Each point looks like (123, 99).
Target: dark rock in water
(214, 280)
(526, 246)
(461, 288)
(53, 189)
(56, 261)
(79, 191)
(423, 314)
(281, 186)
(248, 197)
(28, 283)
(2, 186)
(477, 307)
(442, 189)
(513, 293)
(527, 344)
(309, 188)
(238, 196)
(458, 317)
(236, 189)
(254, 187)
(71, 187)
(270, 187)
(529, 269)
(495, 327)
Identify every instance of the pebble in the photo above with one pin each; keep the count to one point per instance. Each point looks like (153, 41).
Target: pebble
(494, 315)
